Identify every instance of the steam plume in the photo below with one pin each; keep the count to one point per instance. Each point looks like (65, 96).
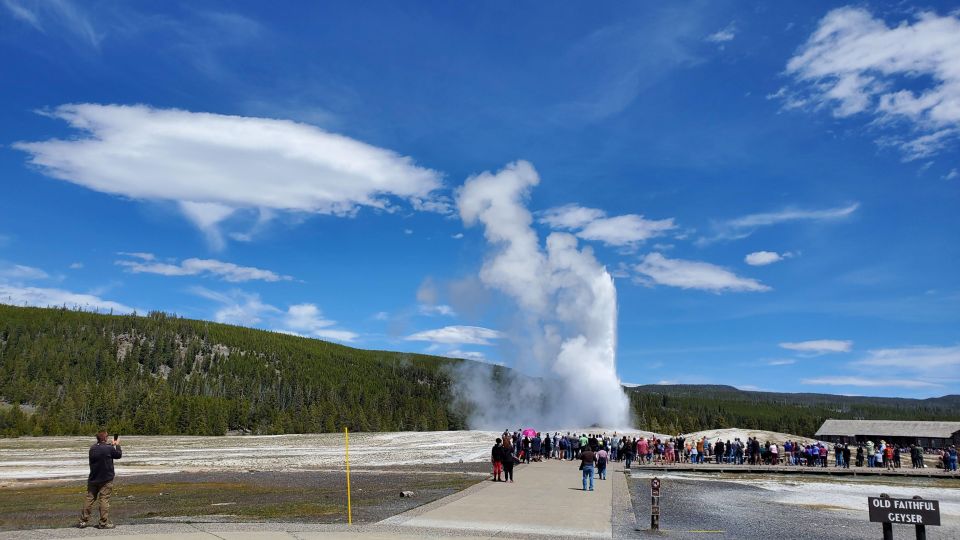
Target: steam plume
(568, 311)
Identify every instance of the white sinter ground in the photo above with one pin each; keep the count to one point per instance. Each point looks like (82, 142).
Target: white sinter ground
(36, 458)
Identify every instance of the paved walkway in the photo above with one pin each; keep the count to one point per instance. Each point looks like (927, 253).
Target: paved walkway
(546, 501)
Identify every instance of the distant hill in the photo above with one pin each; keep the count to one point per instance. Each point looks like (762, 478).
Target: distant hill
(682, 408)
(73, 371)
(68, 372)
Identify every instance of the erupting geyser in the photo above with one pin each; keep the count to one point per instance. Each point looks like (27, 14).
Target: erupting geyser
(567, 310)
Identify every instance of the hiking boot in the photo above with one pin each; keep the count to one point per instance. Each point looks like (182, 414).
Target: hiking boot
(106, 526)
(82, 525)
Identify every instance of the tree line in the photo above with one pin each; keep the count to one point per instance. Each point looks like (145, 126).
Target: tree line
(70, 372)
(66, 372)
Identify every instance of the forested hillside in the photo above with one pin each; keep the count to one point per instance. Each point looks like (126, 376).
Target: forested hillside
(687, 408)
(73, 371)
(68, 372)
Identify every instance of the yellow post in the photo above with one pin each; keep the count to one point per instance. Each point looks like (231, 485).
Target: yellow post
(346, 434)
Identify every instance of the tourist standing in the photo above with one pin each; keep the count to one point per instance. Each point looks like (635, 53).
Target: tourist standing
(602, 457)
(508, 460)
(100, 480)
(588, 460)
(496, 458)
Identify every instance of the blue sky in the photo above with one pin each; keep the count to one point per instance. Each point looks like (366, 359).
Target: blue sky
(775, 191)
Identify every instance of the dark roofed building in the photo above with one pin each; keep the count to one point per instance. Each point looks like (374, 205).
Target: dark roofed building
(904, 433)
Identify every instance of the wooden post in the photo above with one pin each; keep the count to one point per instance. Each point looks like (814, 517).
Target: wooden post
(887, 527)
(346, 434)
(921, 529)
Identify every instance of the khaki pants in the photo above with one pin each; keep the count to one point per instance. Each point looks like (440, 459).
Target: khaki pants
(94, 492)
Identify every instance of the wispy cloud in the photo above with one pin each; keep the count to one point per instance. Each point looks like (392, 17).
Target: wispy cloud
(147, 264)
(308, 320)
(658, 269)
(781, 362)
(56, 17)
(247, 309)
(593, 224)
(466, 355)
(927, 361)
(819, 346)
(919, 367)
(848, 380)
(48, 297)
(744, 226)
(764, 258)
(457, 335)
(723, 35)
(904, 73)
(20, 272)
(436, 309)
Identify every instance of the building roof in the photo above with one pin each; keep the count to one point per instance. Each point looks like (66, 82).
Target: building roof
(888, 428)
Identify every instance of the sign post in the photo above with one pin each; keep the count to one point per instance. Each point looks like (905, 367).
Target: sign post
(346, 435)
(655, 504)
(916, 511)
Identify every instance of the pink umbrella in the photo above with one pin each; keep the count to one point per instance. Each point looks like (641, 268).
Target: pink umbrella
(529, 432)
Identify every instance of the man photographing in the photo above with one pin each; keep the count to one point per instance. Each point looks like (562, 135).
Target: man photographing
(100, 481)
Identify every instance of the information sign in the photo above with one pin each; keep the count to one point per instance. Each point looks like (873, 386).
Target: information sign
(904, 511)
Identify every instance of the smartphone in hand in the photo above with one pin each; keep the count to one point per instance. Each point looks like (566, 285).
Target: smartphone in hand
(115, 437)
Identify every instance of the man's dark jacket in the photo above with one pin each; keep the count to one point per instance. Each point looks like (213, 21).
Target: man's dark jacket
(101, 462)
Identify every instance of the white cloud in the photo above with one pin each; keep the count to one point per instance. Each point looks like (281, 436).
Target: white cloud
(687, 274)
(570, 216)
(781, 362)
(763, 258)
(381, 316)
(952, 174)
(436, 309)
(592, 224)
(908, 73)
(237, 307)
(457, 335)
(820, 346)
(457, 236)
(247, 309)
(744, 226)
(45, 297)
(21, 272)
(724, 35)
(76, 266)
(308, 320)
(847, 380)
(466, 355)
(195, 267)
(213, 165)
(408, 231)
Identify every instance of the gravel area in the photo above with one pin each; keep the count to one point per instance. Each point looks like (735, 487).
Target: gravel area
(698, 508)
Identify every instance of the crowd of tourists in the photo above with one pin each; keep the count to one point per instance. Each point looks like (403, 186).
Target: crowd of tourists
(526, 446)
